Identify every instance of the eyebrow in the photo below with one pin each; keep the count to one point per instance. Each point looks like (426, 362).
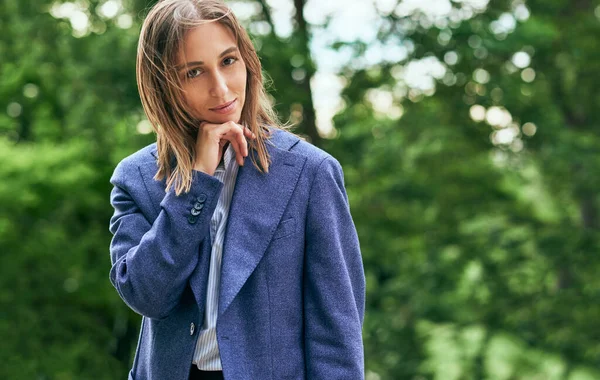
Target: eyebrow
(199, 63)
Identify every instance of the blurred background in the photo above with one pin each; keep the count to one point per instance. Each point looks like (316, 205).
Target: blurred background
(469, 132)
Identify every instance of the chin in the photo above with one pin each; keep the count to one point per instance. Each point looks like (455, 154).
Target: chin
(214, 118)
(235, 118)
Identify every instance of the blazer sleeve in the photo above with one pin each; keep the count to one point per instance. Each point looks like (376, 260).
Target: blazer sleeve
(151, 262)
(334, 281)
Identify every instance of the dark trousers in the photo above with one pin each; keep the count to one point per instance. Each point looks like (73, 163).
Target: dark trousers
(196, 374)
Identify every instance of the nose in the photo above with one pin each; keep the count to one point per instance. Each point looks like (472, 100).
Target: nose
(218, 87)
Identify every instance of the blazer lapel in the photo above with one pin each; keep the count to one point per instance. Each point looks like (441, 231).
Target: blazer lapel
(257, 206)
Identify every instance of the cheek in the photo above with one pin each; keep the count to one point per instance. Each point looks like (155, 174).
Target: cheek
(195, 93)
(241, 78)
(193, 98)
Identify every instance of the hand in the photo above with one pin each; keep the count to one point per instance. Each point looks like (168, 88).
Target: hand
(211, 140)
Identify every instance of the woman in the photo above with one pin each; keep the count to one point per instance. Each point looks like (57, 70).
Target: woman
(232, 237)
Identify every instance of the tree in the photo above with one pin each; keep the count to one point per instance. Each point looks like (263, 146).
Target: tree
(468, 218)
(472, 188)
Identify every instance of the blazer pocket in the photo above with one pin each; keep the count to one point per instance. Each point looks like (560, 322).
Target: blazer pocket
(285, 228)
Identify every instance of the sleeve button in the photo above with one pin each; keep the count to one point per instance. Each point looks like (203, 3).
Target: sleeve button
(195, 212)
(192, 327)
(199, 206)
(192, 219)
(201, 198)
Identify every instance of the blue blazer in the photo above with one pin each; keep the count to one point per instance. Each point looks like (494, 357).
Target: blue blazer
(292, 291)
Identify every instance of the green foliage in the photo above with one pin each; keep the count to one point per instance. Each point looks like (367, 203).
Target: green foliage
(57, 307)
(461, 231)
(479, 254)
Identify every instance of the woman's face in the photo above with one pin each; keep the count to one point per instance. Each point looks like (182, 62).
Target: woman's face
(213, 74)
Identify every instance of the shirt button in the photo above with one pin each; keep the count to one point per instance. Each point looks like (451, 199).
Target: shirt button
(192, 327)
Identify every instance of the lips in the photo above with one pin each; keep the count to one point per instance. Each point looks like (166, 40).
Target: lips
(226, 107)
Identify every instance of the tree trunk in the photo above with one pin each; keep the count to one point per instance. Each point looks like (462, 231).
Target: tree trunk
(308, 125)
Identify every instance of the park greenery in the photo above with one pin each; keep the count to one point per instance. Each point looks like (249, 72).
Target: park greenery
(474, 189)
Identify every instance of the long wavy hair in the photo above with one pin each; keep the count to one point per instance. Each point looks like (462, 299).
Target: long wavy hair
(161, 90)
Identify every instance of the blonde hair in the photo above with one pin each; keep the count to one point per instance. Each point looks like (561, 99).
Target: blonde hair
(161, 91)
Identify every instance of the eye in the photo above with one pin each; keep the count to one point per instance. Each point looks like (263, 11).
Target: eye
(193, 73)
(229, 61)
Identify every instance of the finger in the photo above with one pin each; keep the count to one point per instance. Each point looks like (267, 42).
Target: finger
(203, 125)
(248, 133)
(230, 136)
(233, 133)
(238, 153)
(239, 135)
(243, 144)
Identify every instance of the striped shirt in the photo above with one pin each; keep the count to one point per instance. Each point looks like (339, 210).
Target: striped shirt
(206, 356)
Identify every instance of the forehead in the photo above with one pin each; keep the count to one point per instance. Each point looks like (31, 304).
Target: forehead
(206, 42)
